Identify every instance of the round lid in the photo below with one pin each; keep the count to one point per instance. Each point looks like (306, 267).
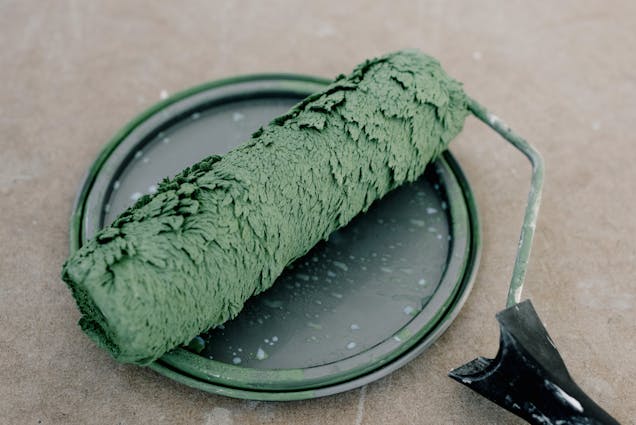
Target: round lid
(356, 307)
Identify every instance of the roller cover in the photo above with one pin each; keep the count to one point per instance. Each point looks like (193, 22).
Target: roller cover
(188, 257)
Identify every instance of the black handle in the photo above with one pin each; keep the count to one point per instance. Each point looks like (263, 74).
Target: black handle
(528, 376)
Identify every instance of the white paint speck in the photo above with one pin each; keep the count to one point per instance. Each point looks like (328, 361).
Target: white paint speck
(565, 397)
(495, 120)
(138, 154)
(145, 160)
(477, 55)
(430, 210)
(351, 345)
(236, 360)
(261, 354)
(355, 327)
(152, 188)
(421, 282)
(135, 196)
(336, 295)
(361, 399)
(166, 140)
(237, 116)
(517, 294)
(116, 185)
(408, 310)
(163, 94)
(106, 209)
(386, 270)
(219, 416)
(196, 116)
(419, 223)
(275, 338)
(341, 266)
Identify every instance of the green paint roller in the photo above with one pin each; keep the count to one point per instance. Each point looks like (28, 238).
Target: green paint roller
(188, 257)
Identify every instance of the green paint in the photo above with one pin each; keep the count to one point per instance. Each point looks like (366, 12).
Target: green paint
(188, 257)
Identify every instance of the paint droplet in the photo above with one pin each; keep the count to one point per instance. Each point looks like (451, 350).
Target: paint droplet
(196, 116)
(351, 345)
(341, 266)
(236, 360)
(430, 210)
(336, 295)
(314, 325)
(163, 94)
(408, 310)
(386, 270)
(275, 338)
(106, 209)
(116, 185)
(419, 223)
(135, 196)
(421, 282)
(237, 116)
(166, 140)
(152, 188)
(138, 154)
(146, 160)
(355, 327)
(261, 354)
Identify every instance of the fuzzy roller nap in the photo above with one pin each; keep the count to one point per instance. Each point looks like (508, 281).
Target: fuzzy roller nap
(188, 257)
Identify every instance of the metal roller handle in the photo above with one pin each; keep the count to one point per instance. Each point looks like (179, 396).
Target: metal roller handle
(534, 197)
(528, 376)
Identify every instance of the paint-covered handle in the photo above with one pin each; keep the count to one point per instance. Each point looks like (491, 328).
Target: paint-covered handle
(528, 376)
(534, 196)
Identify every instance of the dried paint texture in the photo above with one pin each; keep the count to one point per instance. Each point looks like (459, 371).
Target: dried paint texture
(187, 258)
